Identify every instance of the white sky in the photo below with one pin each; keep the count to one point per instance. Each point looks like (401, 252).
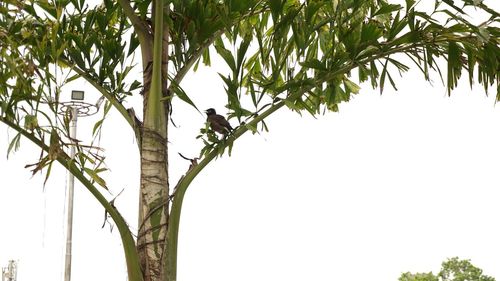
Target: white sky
(392, 183)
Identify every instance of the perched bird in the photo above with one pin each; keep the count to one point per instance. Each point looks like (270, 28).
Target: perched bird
(217, 122)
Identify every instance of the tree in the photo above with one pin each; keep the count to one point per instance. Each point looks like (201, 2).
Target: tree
(451, 270)
(292, 54)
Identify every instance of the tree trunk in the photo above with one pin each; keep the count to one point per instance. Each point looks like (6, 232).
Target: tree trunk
(154, 195)
(154, 192)
(153, 206)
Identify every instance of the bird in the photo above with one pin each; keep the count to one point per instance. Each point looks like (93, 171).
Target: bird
(217, 122)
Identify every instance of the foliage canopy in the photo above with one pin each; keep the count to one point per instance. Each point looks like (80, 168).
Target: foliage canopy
(308, 56)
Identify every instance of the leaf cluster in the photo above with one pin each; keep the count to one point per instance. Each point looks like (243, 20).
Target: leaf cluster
(308, 55)
(313, 55)
(453, 269)
(47, 44)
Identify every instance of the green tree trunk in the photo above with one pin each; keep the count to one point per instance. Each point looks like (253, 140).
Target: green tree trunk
(154, 190)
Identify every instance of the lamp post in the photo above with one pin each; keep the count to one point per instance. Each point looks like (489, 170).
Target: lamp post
(78, 108)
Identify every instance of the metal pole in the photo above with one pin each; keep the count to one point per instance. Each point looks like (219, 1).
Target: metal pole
(71, 184)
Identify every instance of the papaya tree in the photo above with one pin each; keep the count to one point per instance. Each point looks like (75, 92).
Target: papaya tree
(304, 56)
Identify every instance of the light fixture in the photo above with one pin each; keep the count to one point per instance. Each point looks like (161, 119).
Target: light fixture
(77, 95)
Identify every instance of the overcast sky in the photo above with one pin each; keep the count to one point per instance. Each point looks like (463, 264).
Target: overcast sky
(390, 184)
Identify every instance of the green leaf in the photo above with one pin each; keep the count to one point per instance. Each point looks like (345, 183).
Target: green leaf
(454, 65)
(387, 8)
(410, 4)
(314, 64)
(30, 122)
(95, 177)
(49, 169)
(450, 2)
(15, 143)
(225, 54)
(76, 56)
(397, 26)
(276, 7)
(179, 92)
(241, 53)
(97, 126)
(206, 57)
(133, 43)
(370, 32)
(351, 86)
(385, 74)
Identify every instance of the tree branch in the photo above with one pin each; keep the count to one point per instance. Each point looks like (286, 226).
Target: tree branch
(172, 233)
(121, 109)
(196, 55)
(132, 259)
(141, 28)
